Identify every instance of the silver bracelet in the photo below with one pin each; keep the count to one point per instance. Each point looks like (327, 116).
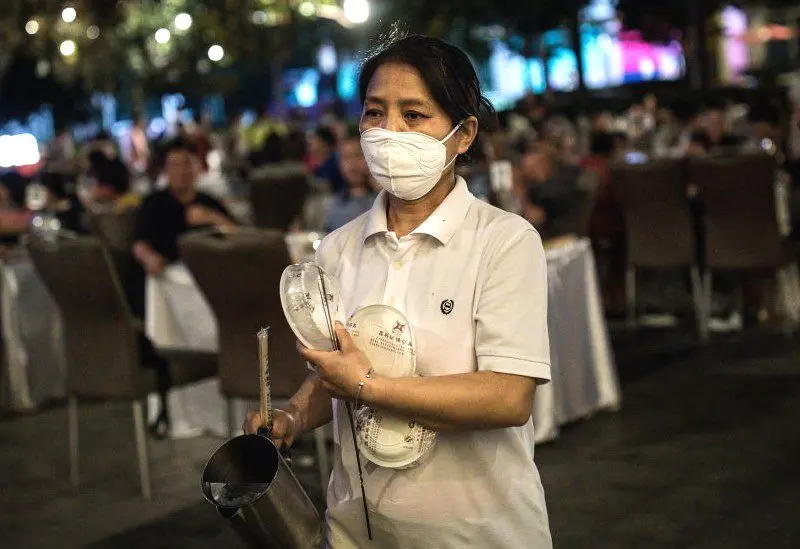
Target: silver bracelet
(361, 384)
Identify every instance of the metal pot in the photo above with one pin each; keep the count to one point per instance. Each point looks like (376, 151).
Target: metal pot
(252, 485)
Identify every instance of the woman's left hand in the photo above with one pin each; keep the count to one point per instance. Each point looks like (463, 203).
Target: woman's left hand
(340, 371)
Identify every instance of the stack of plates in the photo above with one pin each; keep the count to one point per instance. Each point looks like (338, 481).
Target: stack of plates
(305, 289)
(384, 335)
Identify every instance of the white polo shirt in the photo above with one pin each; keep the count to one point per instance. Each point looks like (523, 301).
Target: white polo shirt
(472, 281)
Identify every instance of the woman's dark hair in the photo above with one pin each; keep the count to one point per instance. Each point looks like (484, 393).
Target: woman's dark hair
(326, 135)
(702, 139)
(178, 144)
(15, 183)
(602, 144)
(165, 148)
(294, 147)
(447, 72)
(56, 183)
(112, 173)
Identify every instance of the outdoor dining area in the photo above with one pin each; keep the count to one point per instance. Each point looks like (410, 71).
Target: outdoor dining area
(69, 332)
(71, 340)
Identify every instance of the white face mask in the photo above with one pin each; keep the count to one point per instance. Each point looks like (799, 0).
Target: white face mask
(407, 164)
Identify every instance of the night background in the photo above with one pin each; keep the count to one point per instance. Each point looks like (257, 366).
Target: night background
(655, 147)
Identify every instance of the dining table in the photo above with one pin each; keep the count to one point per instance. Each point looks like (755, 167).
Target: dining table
(34, 369)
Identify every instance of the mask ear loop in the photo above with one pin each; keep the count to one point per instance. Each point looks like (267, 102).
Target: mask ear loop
(452, 132)
(448, 136)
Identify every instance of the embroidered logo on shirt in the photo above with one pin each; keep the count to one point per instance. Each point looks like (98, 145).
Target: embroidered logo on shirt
(447, 306)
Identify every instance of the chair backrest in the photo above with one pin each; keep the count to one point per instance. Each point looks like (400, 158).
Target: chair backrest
(576, 221)
(239, 273)
(114, 229)
(102, 355)
(278, 198)
(738, 195)
(658, 222)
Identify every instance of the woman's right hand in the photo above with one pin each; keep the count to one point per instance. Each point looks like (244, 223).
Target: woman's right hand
(285, 426)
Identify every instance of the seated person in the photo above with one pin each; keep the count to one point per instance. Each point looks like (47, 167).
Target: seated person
(110, 184)
(699, 144)
(551, 187)
(14, 218)
(64, 203)
(167, 214)
(357, 197)
(325, 165)
(163, 217)
(717, 130)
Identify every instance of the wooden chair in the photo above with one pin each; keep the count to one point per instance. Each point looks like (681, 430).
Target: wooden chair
(659, 228)
(278, 198)
(741, 226)
(239, 273)
(101, 337)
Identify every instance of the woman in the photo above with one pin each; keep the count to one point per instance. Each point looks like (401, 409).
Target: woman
(357, 197)
(550, 190)
(471, 279)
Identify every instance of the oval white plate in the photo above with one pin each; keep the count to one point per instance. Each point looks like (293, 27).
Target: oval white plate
(385, 336)
(301, 293)
(391, 441)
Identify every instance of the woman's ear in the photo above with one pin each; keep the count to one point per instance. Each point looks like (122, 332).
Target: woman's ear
(467, 134)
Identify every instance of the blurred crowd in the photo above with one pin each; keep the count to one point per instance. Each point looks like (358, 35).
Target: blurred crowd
(535, 162)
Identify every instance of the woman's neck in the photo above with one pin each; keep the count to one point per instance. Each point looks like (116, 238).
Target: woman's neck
(402, 217)
(184, 196)
(358, 192)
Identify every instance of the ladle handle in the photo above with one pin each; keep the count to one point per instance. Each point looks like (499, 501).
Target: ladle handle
(266, 398)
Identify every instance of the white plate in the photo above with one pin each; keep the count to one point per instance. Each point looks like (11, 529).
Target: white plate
(385, 336)
(302, 301)
(391, 441)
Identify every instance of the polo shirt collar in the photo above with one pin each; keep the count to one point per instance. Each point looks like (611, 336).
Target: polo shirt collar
(441, 224)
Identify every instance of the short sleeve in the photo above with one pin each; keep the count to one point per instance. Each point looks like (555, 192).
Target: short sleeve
(325, 255)
(511, 308)
(210, 202)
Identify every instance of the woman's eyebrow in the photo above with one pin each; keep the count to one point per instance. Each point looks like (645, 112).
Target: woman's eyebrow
(408, 102)
(414, 103)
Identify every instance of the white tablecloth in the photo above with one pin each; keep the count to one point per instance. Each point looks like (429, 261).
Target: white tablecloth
(584, 376)
(177, 316)
(582, 364)
(35, 368)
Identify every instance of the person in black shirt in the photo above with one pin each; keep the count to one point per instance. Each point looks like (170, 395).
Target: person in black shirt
(167, 214)
(162, 218)
(552, 190)
(64, 202)
(716, 129)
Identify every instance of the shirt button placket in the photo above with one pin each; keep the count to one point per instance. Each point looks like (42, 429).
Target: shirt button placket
(395, 288)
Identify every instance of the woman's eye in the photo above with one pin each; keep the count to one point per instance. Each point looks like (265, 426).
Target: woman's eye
(372, 113)
(414, 116)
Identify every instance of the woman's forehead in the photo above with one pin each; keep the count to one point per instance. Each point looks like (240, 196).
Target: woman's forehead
(398, 83)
